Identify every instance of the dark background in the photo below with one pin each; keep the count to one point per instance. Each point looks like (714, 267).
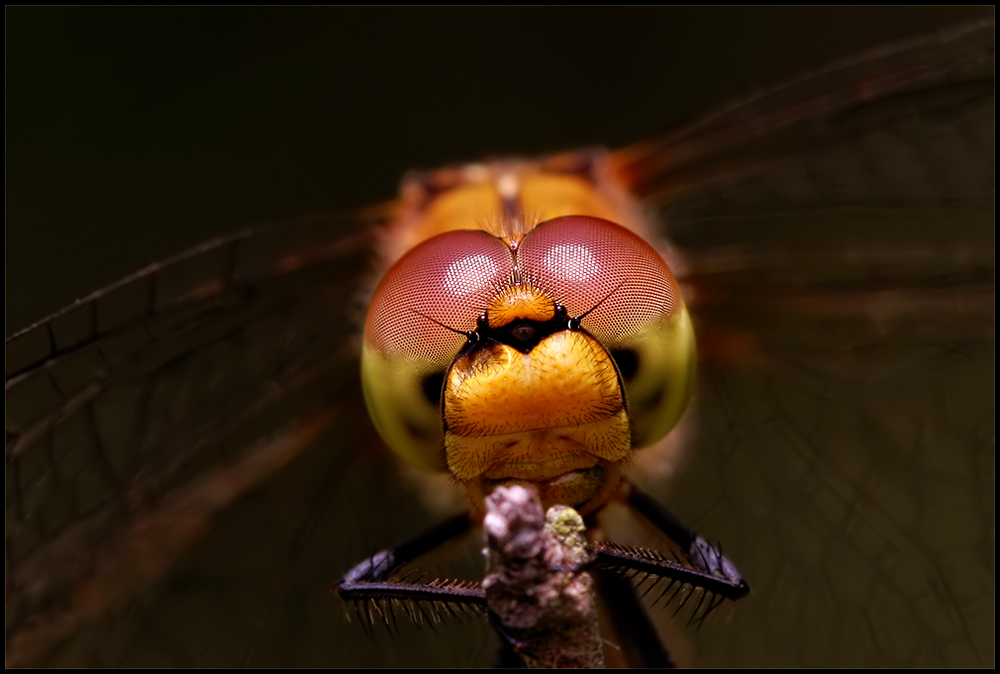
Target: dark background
(132, 133)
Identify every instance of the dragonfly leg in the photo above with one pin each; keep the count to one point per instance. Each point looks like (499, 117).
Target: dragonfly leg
(368, 581)
(700, 553)
(703, 573)
(636, 636)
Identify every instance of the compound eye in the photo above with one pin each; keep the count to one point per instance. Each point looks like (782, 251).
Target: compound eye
(592, 265)
(629, 301)
(445, 281)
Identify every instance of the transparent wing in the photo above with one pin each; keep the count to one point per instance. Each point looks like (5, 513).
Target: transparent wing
(180, 499)
(836, 238)
(136, 417)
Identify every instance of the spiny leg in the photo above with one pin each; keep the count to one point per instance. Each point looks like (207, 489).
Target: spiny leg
(367, 581)
(699, 552)
(622, 570)
(637, 636)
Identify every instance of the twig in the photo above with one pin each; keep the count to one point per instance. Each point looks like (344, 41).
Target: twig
(537, 599)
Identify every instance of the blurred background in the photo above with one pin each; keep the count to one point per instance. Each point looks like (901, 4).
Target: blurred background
(135, 133)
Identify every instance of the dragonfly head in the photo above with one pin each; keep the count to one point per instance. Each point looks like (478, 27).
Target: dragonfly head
(545, 361)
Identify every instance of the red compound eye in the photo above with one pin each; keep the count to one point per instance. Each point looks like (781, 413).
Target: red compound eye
(450, 278)
(585, 262)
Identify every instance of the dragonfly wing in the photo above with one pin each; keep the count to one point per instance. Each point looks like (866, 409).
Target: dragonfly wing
(138, 416)
(839, 261)
(119, 467)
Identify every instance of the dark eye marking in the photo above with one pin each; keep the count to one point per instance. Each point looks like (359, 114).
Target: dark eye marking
(627, 361)
(431, 386)
(653, 401)
(415, 431)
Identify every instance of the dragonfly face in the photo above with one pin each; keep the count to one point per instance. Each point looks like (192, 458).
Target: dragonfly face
(839, 443)
(508, 333)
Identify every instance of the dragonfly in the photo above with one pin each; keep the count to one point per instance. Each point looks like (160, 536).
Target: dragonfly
(840, 446)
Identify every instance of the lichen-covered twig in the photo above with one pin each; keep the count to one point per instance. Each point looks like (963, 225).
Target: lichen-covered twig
(538, 599)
